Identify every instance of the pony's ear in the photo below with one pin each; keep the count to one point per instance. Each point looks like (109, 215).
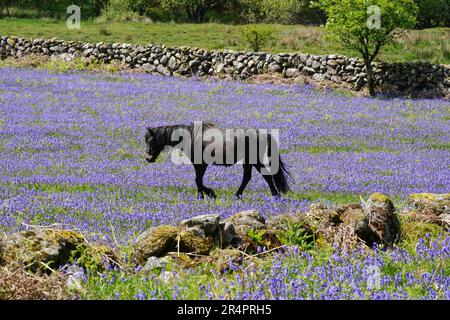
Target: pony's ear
(150, 131)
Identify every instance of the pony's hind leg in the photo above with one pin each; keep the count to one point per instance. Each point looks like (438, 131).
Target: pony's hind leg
(269, 180)
(245, 179)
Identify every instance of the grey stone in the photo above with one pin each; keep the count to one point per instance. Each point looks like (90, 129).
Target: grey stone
(246, 220)
(274, 67)
(154, 263)
(431, 203)
(163, 70)
(164, 60)
(208, 222)
(173, 63)
(315, 65)
(292, 72)
(308, 71)
(39, 247)
(318, 77)
(382, 218)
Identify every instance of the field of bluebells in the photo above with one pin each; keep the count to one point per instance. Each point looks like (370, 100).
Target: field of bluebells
(72, 148)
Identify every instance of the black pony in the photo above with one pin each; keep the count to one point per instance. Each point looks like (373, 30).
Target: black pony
(159, 137)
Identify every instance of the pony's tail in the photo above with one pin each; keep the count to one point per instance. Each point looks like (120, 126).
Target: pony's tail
(281, 178)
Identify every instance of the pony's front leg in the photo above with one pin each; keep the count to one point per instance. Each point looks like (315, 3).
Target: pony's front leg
(245, 180)
(200, 170)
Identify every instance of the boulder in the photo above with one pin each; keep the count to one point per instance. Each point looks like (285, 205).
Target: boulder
(382, 218)
(274, 67)
(282, 222)
(147, 67)
(154, 263)
(246, 220)
(40, 248)
(191, 242)
(173, 63)
(155, 241)
(431, 203)
(209, 223)
(163, 70)
(159, 241)
(318, 77)
(292, 72)
(354, 217)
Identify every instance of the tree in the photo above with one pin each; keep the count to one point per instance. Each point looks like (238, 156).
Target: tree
(194, 9)
(366, 26)
(433, 13)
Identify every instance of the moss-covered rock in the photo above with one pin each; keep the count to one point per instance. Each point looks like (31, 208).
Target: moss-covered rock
(282, 222)
(431, 203)
(155, 241)
(382, 219)
(245, 221)
(41, 248)
(209, 223)
(190, 242)
(159, 241)
(354, 217)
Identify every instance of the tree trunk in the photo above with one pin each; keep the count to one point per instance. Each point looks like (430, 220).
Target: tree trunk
(200, 15)
(370, 78)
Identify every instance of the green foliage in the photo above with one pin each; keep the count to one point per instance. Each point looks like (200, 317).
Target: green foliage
(257, 237)
(51, 8)
(290, 11)
(288, 38)
(256, 37)
(433, 13)
(118, 11)
(348, 24)
(193, 10)
(296, 234)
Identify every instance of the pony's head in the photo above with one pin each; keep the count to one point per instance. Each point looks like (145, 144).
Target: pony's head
(153, 145)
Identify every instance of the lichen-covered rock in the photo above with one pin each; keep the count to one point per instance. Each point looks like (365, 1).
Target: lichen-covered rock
(209, 223)
(246, 220)
(155, 241)
(354, 217)
(382, 218)
(41, 248)
(431, 204)
(190, 242)
(159, 241)
(154, 263)
(282, 222)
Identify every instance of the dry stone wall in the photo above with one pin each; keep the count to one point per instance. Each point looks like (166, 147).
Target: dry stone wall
(416, 79)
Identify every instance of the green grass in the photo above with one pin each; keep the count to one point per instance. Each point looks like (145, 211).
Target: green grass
(429, 45)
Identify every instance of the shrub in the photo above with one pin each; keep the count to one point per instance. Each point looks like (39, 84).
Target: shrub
(118, 11)
(257, 37)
